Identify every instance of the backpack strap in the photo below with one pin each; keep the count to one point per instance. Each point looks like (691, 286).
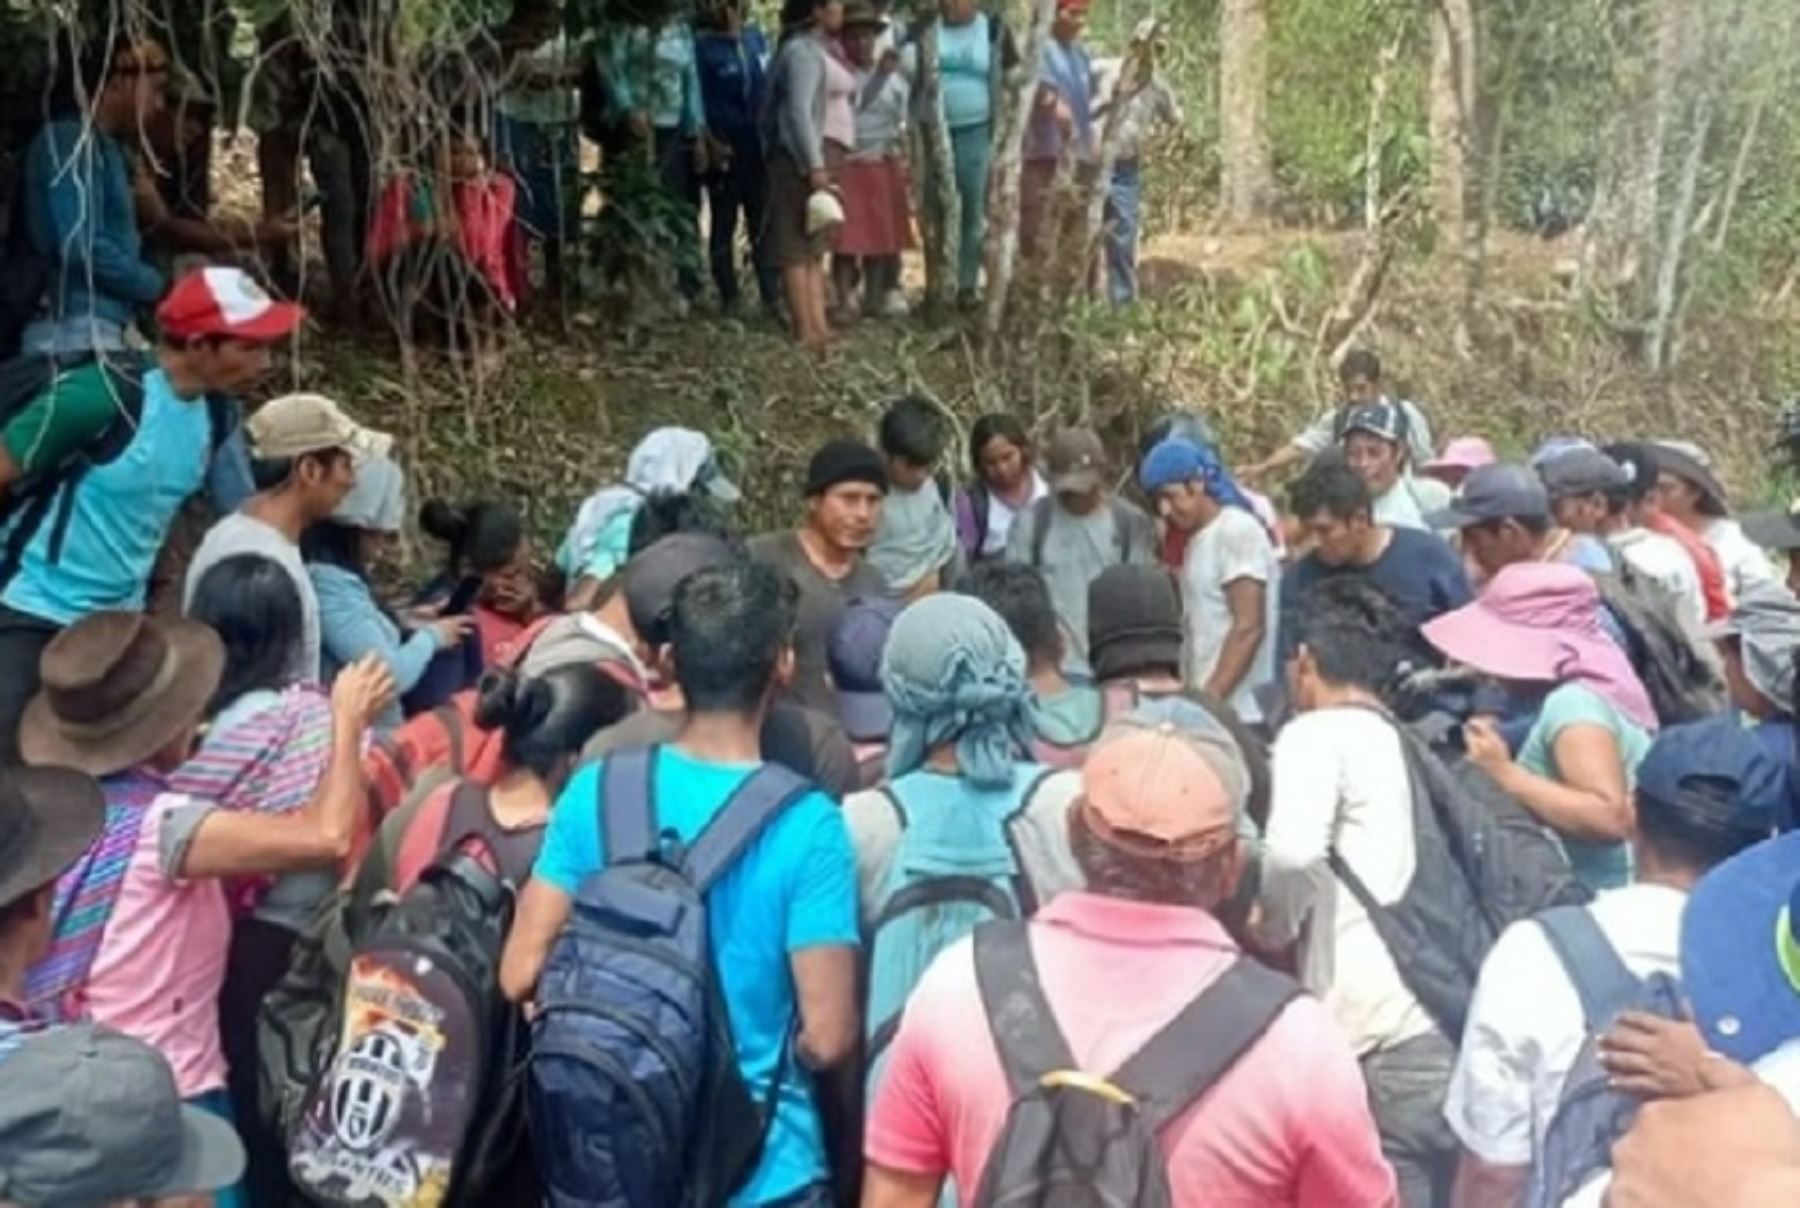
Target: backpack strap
(1040, 530)
(752, 805)
(627, 803)
(1600, 978)
(980, 508)
(1019, 1016)
(451, 721)
(1121, 529)
(1195, 1049)
(513, 851)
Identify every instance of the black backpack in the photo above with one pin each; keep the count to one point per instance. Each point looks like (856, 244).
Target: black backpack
(1682, 684)
(635, 1095)
(1076, 1140)
(406, 1089)
(1480, 864)
(49, 494)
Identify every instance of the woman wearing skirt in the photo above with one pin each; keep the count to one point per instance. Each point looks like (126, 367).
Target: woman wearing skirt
(877, 225)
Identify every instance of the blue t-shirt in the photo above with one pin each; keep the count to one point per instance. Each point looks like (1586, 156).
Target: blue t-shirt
(1417, 570)
(965, 64)
(120, 515)
(793, 888)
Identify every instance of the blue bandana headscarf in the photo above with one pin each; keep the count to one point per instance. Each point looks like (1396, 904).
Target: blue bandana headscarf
(954, 673)
(1181, 459)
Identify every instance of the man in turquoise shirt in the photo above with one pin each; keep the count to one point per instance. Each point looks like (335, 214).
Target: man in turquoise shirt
(783, 918)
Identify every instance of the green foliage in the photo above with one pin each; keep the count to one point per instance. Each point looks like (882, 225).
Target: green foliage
(644, 235)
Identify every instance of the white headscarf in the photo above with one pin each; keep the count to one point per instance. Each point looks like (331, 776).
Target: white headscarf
(666, 462)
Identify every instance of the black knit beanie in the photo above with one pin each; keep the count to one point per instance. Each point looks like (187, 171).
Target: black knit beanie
(1134, 621)
(845, 460)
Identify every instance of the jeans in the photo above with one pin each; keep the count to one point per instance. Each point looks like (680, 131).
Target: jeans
(740, 189)
(1123, 196)
(22, 640)
(675, 163)
(76, 335)
(971, 151)
(1406, 1093)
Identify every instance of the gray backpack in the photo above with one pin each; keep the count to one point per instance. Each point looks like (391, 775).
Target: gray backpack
(1076, 1140)
(1590, 1115)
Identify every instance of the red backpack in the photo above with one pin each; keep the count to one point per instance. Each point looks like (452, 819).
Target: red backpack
(447, 737)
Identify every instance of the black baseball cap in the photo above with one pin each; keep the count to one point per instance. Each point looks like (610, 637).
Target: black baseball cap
(1383, 419)
(1498, 492)
(652, 576)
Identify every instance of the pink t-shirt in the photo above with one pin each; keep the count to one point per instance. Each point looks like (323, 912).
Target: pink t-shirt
(161, 962)
(839, 125)
(1289, 1124)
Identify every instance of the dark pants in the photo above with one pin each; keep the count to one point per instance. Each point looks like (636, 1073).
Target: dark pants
(1406, 1092)
(22, 640)
(675, 164)
(257, 960)
(739, 190)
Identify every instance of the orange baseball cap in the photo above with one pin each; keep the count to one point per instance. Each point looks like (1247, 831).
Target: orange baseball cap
(1158, 790)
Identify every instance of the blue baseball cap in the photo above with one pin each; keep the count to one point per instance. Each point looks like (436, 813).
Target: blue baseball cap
(1717, 749)
(1740, 951)
(1174, 459)
(853, 655)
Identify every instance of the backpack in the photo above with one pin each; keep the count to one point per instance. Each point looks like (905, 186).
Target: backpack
(1683, 684)
(1480, 864)
(952, 870)
(330, 1035)
(448, 737)
(30, 501)
(634, 1092)
(1041, 513)
(1590, 1115)
(1073, 1140)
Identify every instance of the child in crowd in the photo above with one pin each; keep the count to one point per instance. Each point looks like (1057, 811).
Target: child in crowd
(915, 546)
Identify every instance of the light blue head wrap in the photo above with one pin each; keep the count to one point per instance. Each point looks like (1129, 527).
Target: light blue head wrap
(954, 673)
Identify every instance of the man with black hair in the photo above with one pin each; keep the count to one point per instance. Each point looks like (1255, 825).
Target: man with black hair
(303, 451)
(80, 215)
(825, 557)
(783, 924)
(1359, 376)
(915, 546)
(1417, 571)
(114, 481)
(1593, 491)
(1342, 788)
(1503, 514)
(1701, 792)
(1066, 716)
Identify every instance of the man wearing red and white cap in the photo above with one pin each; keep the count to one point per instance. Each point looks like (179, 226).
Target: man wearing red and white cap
(94, 470)
(1155, 832)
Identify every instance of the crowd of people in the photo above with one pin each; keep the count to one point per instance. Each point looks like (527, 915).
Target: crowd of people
(795, 147)
(1423, 836)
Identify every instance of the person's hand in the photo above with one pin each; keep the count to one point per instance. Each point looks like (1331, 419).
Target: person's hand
(361, 691)
(1653, 1057)
(1483, 744)
(1065, 118)
(276, 232)
(451, 631)
(639, 124)
(1725, 1149)
(819, 178)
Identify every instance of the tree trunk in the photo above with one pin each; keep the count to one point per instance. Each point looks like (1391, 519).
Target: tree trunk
(941, 207)
(1659, 345)
(1134, 77)
(1002, 250)
(1247, 170)
(1452, 112)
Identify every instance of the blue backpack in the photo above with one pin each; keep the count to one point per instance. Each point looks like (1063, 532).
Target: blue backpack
(634, 1094)
(953, 869)
(1590, 1115)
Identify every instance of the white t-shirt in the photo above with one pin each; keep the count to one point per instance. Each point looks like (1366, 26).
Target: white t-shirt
(1525, 1025)
(242, 533)
(1001, 515)
(1234, 546)
(1744, 564)
(1409, 501)
(1339, 780)
(1661, 560)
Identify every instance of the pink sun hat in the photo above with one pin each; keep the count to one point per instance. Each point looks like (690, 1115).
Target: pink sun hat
(1463, 454)
(1540, 622)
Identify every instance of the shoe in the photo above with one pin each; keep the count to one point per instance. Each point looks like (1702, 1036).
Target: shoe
(893, 305)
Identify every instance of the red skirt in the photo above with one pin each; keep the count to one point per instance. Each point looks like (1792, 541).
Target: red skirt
(876, 215)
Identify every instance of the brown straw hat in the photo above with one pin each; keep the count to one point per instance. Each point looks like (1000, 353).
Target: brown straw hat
(48, 817)
(118, 688)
